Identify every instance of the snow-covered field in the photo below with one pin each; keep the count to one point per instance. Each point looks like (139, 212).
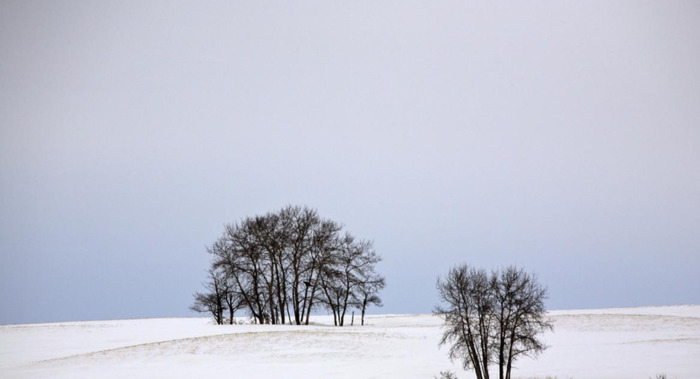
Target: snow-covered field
(605, 343)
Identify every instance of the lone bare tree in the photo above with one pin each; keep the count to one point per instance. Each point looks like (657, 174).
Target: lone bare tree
(491, 318)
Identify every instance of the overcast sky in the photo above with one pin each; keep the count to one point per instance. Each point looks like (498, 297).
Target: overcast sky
(561, 136)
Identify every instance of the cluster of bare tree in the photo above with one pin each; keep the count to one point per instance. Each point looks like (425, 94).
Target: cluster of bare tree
(282, 265)
(492, 318)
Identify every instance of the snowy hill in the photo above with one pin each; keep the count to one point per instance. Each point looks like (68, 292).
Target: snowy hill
(603, 343)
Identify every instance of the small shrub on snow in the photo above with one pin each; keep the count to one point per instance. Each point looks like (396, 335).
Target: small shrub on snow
(446, 375)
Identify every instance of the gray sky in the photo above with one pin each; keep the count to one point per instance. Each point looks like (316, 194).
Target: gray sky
(561, 136)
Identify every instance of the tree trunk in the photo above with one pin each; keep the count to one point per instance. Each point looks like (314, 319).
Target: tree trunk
(296, 303)
(345, 302)
(510, 353)
(364, 306)
(280, 273)
(483, 330)
(311, 296)
(271, 294)
(469, 338)
(302, 312)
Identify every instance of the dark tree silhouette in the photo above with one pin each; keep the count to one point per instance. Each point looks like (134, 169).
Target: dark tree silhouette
(344, 275)
(213, 300)
(491, 318)
(520, 315)
(281, 265)
(367, 293)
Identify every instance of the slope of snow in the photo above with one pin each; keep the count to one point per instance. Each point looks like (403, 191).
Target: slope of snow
(607, 343)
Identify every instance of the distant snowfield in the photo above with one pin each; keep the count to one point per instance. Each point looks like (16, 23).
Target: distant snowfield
(604, 343)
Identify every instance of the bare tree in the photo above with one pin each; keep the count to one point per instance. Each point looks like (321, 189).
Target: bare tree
(464, 294)
(491, 319)
(232, 298)
(520, 315)
(367, 293)
(344, 275)
(307, 238)
(283, 264)
(208, 303)
(213, 300)
(324, 245)
(242, 261)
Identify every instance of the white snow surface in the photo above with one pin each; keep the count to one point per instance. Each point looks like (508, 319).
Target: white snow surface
(602, 343)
